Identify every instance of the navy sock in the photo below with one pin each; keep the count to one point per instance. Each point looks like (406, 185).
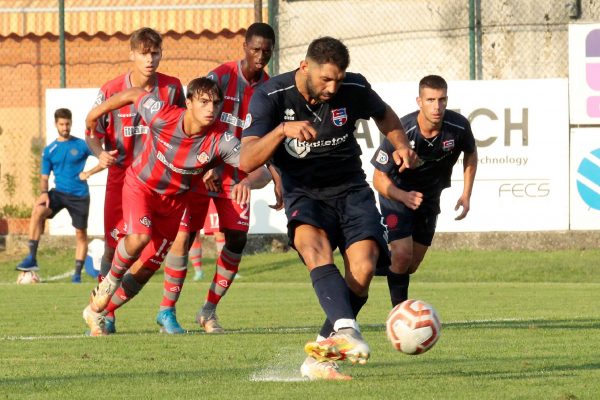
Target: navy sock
(356, 302)
(33, 246)
(398, 285)
(332, 292)
(78, 267)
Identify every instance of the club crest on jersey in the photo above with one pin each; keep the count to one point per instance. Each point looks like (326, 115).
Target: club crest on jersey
(247, 121)
(74, 152)
(146, 221)
(382, 157)
(448, 145)
(339, 116)
(202, 158)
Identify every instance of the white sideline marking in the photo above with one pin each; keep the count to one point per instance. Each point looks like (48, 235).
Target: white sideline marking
(299, 329)
(58, 277)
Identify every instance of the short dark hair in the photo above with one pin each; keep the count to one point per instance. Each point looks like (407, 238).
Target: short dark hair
(433, 82)
(260, 29)
(327, 50)
(201, 85)
(63, 113)
(145, 38)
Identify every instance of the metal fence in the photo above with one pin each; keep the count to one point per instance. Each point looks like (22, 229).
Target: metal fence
(389, 40)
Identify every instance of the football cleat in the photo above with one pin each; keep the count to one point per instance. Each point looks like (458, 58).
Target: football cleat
(101, 295)
(345, 344)
(28, 264)
(322, 370)
(198, 275)
(210, 323)
(95, 321)
(76, 278)
(168, 322)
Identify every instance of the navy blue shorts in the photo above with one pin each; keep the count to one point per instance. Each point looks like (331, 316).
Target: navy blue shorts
(78, 207)
(346, 220)
(402, 222)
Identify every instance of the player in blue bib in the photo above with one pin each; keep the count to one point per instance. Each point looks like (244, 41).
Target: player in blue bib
(303, 122)
(65, 158)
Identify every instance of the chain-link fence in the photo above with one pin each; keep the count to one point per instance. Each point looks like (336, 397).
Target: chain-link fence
(389, 40)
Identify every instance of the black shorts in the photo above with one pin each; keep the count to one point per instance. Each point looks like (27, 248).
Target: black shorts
(346, 220)
(402, 222)
(78, 207)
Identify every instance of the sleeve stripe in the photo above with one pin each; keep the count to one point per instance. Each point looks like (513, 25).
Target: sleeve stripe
(280, 90)
(353, 84)
(456, 126)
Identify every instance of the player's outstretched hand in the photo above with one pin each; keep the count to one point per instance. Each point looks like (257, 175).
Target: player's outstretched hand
(301, 130)
(406, 158)
(107, 158)
(466, 206)
(240, 193)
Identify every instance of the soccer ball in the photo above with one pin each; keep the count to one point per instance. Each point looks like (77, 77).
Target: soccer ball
(413, 327)
(28, 277)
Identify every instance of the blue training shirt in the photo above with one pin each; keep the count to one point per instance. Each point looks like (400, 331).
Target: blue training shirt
(66, 160)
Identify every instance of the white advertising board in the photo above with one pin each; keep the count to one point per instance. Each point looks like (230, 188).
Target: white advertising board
(584, 73)
(522, 181)
(585, 178)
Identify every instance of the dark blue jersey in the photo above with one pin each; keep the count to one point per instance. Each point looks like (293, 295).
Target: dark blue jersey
(331, 164)
(439, 154)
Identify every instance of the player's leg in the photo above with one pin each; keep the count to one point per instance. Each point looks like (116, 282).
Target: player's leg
(39, 214)
(113, 217)
(195, 256)
(233, 221)
(79, 209)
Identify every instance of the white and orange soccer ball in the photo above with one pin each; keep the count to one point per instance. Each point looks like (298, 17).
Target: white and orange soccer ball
(28, 277)
(413, 327)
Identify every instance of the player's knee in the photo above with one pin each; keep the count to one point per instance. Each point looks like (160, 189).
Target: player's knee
(135, 242)
(235, 241)
(401, 262)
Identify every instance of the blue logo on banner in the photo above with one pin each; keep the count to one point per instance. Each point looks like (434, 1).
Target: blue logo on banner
(588, 179)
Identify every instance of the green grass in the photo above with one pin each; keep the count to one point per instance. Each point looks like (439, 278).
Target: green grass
(518, 325)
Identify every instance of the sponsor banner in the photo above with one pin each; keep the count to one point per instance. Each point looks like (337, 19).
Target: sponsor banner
(585, 179)
(584, 74)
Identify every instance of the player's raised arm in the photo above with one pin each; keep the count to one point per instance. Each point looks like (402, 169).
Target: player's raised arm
(391, 127)
(113, 103)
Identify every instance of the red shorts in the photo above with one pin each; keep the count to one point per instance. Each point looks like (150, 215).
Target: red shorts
(157, 215)
(113, 206)
(230, 214)
(211, 223)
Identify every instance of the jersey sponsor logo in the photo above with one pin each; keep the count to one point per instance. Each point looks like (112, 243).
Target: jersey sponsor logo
(339, 116)
(202, 158)
(168, 145)
(236, 99)
(232, 119)
(228, 136)
(289, 115)
(382, 157)
(448, 145)
(126, 115)
(129, 131)
(161, 157)
(247, 121)
(146, 221)
(295, 148)
(152, 105)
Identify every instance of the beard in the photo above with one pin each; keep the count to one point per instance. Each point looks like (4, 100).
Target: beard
(312, 92)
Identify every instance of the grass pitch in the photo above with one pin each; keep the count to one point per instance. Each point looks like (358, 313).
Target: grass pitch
(518, 325)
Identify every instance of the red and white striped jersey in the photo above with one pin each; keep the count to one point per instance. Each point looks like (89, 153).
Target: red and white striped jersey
(123, 129)
(237, 92)
(172, 162)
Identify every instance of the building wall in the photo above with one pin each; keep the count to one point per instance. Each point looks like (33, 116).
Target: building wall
(30, 65)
